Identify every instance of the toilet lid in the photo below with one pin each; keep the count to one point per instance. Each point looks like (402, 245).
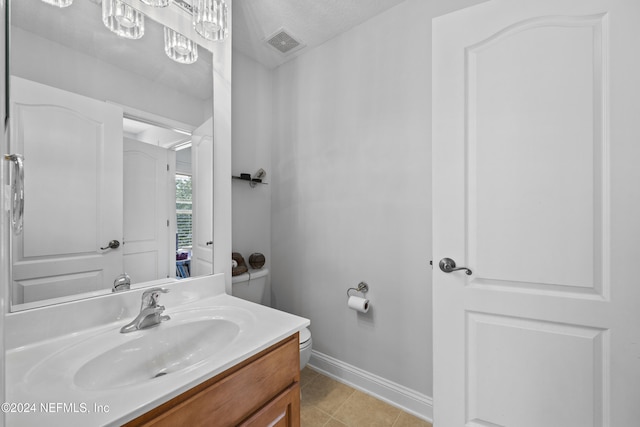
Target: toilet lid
(305, 335)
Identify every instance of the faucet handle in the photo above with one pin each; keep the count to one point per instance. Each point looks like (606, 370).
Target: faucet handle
(150, 297)
(122, 282)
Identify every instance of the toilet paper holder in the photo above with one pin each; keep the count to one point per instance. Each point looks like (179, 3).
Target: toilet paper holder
(362, 287)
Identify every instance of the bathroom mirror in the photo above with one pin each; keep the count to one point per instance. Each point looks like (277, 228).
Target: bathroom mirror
(118, 153)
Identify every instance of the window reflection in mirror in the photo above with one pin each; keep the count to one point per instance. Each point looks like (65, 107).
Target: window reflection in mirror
(111, 131)
(184, 232)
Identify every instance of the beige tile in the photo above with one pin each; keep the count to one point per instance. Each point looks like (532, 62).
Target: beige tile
(408, 420)
(362, 410)
(325, 394)
(306, 376)
(333, 423)
(311, 416)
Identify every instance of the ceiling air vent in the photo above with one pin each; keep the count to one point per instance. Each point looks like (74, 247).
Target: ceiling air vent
(283, 41)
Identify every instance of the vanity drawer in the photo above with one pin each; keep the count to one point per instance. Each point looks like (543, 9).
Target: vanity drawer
(234, 395)
(283, 411)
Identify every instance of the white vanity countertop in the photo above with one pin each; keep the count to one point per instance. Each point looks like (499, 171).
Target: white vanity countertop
(40, 389)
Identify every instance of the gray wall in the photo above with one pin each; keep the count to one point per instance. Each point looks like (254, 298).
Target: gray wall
(251, 150)
(352, 193)
(350, 186)
(106, 82)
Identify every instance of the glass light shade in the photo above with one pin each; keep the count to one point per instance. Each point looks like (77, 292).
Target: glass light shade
(179, 48)
(122, 19)
(157, 3)
(59, 3)
(210, 19)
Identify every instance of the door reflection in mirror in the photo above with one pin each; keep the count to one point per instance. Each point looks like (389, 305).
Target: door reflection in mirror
(105, 126)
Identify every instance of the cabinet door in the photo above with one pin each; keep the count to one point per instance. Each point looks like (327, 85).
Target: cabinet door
(283, 411)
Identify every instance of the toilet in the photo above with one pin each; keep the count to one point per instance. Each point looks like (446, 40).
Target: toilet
(251, 286)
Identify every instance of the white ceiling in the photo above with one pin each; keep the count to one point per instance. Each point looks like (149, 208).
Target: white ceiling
(310, 22)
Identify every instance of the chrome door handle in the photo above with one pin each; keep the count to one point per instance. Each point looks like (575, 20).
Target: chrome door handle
(448, 265)
(114, 244)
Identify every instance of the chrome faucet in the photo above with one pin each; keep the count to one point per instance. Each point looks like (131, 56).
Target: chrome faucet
(122, 283)
(150, 312)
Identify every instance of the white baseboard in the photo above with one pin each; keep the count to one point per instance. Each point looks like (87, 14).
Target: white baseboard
(394, 394)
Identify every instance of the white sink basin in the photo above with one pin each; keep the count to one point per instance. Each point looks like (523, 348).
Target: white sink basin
(112, 360)
(157, 352)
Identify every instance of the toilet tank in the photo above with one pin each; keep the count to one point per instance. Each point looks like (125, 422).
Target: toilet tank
(250, 285)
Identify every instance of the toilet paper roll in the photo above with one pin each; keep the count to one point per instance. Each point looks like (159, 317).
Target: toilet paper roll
(358, 304)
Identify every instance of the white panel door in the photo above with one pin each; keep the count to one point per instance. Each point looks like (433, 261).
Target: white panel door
(72, 147)
(202, 193)
(149, 210)
(535, 151)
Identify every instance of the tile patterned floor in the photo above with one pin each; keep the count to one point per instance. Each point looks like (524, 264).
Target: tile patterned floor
(328, 403)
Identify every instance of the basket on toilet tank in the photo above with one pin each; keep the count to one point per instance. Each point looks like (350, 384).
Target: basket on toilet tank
(257, 260)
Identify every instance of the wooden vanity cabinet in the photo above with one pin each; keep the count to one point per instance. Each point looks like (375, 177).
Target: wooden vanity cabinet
(261, 391)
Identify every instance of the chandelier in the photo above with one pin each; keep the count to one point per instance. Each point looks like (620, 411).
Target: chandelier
(210, 21)
(59, 3)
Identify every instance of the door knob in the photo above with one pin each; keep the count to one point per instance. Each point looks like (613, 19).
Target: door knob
(448, 265)
(114, 244)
